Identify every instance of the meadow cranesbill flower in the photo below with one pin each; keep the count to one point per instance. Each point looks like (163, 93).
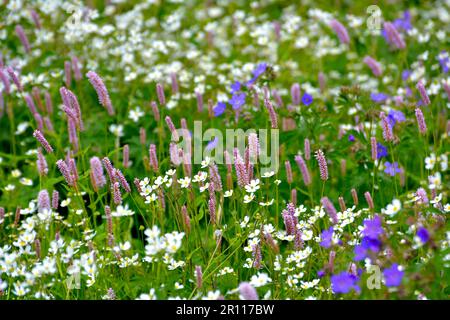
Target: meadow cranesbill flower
(247, 291)
(381, 151)
(344, 282)
(237, 100)
(378, 97)
(423, 234)
(40, 137)
(393, 276)
(340, 31)
(303, 169)
(421, 121)
(423, 93)
(373, 228)
(327, 237)
(391, 168)
(395, 116)
(323, 167)
(373, 65)
(219, 109)
(307, 99)
(102, 92)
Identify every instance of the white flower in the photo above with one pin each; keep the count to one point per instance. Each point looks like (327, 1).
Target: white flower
(212, 295)
(26, 181)
(136, 114)
(184, 182)
(444, 162)
(200, 177)
(16, 173)
(206, 162)
(393, 208)
(260, 279)
(116, 129)
(178, 286)
(10, 187)
(122, 211)
(150, 296)
(249, 198)
(65, 202)
(435, 181)
(228, 193)
(430, 161)
(268, 174)
(253, 186)
(21, 127)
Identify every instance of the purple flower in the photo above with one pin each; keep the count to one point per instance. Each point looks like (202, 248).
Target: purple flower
(373, 228)
(260, 69)
(423, 234)
(307, 99)
(395, 116)
(403, 23)
(406, 74)
(327, 238)
(360, 253)
(219, 109)
(378, 97)
(344, 282)
(212, 144)
(444, 61)
(351, 138)
(371, 244)
(381, 151)
(237, 100)
(320, 273)
(235, 87)
(393, 276)
(391, 168)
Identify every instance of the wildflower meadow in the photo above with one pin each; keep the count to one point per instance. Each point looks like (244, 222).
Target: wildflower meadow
(207, 150)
